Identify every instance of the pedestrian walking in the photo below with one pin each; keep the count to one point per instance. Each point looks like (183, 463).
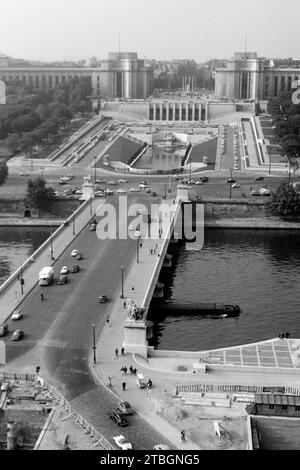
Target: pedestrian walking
(124, 305)
(122, 351)
(134, 371)
(124, 386)
(125, 370)
(122, 369)
(116, 352)
(42, 296)
(151, 251)
(131, 370)
(132, 288)
(182, 435)
(109, 381)
(37, 369)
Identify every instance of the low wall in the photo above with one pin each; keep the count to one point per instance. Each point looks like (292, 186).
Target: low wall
(61, 208)
(229, 208)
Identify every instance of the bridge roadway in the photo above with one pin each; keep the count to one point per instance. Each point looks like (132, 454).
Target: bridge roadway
(58, 332)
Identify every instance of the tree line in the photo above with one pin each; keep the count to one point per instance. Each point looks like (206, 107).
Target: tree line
(32, 116)
(286, 121)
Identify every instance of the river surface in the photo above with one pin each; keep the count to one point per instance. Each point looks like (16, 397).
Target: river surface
(258, 270)
(17, 244)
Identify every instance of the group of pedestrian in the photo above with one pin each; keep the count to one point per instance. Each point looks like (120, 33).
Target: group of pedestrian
(117, 352)
(284, 335)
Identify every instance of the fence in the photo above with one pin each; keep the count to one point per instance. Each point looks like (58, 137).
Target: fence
(62, 401)
(235, 388)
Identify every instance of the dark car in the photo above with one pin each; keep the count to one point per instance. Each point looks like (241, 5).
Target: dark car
(75, 268)
(153, 194)
(259, 178)
(3, 329)
(117, 418)
(17, 335)
(79, 256)
(103, 299)
(63, 279)
(124, 407)
(231, 180)
(204, 179)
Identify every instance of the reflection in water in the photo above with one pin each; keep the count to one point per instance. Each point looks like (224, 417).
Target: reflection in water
(258, 270)
(161, 158)
(17, 244)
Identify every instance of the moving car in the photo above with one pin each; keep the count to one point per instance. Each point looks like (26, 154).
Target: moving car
(265, 192)
(255, 192)
(230, 180)
(74, 253)
(134, 190)
(75, 268)
(16, 315)
(124, 407)
(17, 335)
(148, 190)
(259, 178)
(99, 194)
(137, 233)
(199, 182)
(3, 329)
(103, 299)
(111, 182)
(121, 190)
(123, 181)
(236, 185)
(79, 256)
(109, 192)
(122, 442)
(117, 418)
(204, 179)
(64, 270)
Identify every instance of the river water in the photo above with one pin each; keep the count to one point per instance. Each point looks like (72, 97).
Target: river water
(258, 270)
(17, 244)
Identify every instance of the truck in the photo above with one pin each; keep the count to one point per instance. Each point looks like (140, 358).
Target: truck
(46, 276)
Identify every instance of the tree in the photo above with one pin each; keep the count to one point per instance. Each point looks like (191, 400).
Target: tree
(13, 143)
(3, 173)
(39, 195)
(285, 202)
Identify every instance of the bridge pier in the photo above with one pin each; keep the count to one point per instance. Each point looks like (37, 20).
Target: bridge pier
(158, 291)
(167, 261)
(135, 333)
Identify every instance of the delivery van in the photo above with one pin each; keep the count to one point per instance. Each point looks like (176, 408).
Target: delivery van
(46, 276)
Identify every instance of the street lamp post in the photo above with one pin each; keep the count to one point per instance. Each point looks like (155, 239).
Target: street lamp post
(190, 169)
(95, 158)
(21, 281)
(51, 247)
(122, 278)
(73, 220)
(138, 249)
(270, 160)
(94, 343)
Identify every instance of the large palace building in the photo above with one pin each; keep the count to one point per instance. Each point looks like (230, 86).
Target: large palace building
(249, 77)
(122, 75)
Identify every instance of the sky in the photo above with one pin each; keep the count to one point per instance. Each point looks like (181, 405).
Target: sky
(155, 29)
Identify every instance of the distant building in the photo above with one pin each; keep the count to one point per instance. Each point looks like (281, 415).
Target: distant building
(249, 77)
(122, 75)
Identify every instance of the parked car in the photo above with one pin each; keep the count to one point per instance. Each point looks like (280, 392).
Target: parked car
(79, 256)
(16, 315)
(17, 335)
(103, 299)
(122, 442)
(231, 180)
(63, 279)
(255, 192)
(75, 268)
(134, 190)
(111, 182)
(161, 447)
(199, 182)
(79, 191)
(148, 190)
(3, 329)
(236, 185)
(259, 178)
(121, 191)
(204, 179)
(124, 407)
(99, 194)
(123, 181)
(109, 192)
(153, 194)
(117, 418)
(64, 270)
(265, 192)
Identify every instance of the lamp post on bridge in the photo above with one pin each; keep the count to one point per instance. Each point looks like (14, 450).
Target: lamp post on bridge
(94, 343)
(122, 281)
(51, 247)
(138, 249)
(95, 169)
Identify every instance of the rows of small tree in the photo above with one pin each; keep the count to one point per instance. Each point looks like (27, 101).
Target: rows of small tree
(32, 116)
(286, 121)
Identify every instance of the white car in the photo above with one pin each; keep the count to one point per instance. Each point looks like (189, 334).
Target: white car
(123, 181)
(143, 186)
(16, 315)
(134, 190)
(74, 253)
(122, 442)
(112, 182)
(161, 447)
(130, 228)
(79, 191)
(64, 270)
(199, 182)
(235, 185)
(121, 191)
(137, 233)
(265, 192)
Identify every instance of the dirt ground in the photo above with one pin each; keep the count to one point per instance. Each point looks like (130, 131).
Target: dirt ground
(198, 422)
